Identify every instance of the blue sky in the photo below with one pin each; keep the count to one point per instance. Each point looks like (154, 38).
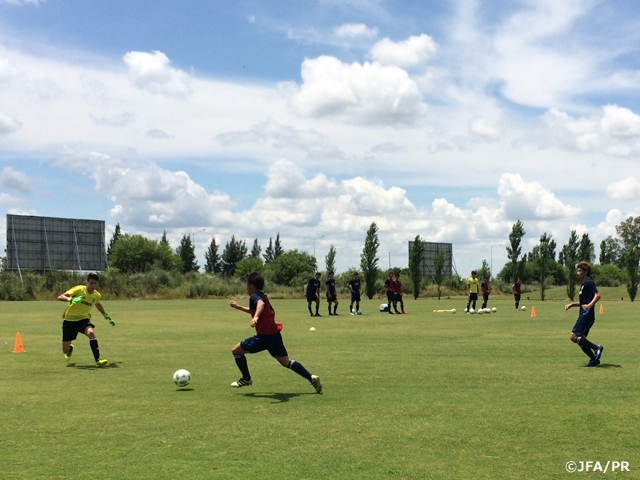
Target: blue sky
(445, 119)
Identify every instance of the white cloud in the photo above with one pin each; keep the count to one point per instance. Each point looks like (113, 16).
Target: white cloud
(14, 180)
(626, 189)
(355, 30)
(9, 124)
(408, 53)
(8, 70)
(620, 122)
(118, 120)
(274, 133)
(485, 128)
(367, 93)
(285, 180)
(151, 72)
(23, 2)
(9, 200)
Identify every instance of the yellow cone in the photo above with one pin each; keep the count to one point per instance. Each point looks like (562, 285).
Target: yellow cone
(312, 329)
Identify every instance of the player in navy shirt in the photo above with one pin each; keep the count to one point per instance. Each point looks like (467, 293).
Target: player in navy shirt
(354, 286)
(332, 297)
(313, 294)
(267, 336)
(588, 297)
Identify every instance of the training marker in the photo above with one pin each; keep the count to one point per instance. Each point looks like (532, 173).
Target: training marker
(18, 347)
(601, 309)
(533, 311)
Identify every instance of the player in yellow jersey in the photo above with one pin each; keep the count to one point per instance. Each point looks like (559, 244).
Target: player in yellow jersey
(77, 316)
(473, 287)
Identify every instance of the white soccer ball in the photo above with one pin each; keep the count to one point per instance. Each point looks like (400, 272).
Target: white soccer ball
(523, 308)
(453, 310)
(471, 310)
(182, 378)
(480, 311)
(494, 309)
(487, 310)
(383, 307)
(359, 312)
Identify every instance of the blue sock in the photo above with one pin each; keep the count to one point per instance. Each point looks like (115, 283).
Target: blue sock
(299, 369)
(241, 361)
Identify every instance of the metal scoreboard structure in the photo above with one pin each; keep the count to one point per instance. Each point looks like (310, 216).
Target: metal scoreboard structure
(46, 243)
(431, 250)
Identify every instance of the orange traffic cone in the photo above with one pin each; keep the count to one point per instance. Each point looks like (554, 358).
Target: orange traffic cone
(533, 311)
(601, 309)
(18, 347)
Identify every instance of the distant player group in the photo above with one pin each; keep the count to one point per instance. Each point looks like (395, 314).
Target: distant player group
(312, 292)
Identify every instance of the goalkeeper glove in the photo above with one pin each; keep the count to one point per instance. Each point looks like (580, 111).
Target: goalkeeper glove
(74, 300)
(108, 319)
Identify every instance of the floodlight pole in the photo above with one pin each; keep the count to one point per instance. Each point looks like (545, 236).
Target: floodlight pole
(314, 244)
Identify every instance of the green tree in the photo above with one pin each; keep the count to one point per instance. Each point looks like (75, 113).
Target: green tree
(269, 253)
(416, 259)
(611, 252)
(234, 251)
(369, 260)
(484, 270)
(187, 252)
(212, 257)
(112, 242)
(277, 249)
(586, 250)
(515, 249)
(569, 254)
(137, 254)
(164, 239)
(330, 260)
(543, 256)
(438, 267)
(248, 265)
(629, 233)
(255, 251)
(293, 268)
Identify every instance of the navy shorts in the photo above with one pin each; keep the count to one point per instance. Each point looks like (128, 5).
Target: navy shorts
(312, 298)
(516, 297)
(272, 343)
(332, 298)
(390, 296)
(397, 297)
(485, 296)
(70, 330)
(355, 297)
(584, 323)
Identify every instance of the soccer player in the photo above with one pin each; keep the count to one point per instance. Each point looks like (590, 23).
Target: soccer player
(516, 292)
(77, 316)
(397, 289)
(354, 287)
(473, 285)
(588, 297)
(332, 296)
(485, 291)
(388, 284)
(267, 337)
(313, 294)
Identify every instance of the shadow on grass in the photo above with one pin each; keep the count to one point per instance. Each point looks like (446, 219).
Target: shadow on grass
(279, 397)
(184, 390)
(609, 365)
(93, 367)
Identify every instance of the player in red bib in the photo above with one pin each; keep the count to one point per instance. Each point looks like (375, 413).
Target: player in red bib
(267, 336)
(397, 290)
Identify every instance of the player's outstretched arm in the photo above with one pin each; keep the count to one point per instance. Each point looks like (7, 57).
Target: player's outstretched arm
(259, 309)
(233, 304)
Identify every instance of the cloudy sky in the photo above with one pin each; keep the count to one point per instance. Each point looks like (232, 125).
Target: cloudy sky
(313, 118)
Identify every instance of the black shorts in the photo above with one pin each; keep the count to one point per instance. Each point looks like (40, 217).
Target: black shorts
(397, 297)
(584, 323)
(332, 298)
(70, 330)
(272, 343)
(312, 298)
(355, 297)
(473, 296)
(390, 296)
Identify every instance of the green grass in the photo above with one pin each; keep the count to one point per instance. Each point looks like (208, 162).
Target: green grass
(424, 395)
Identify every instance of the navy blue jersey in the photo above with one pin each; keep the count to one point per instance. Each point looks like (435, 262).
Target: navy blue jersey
(331, 284)
(354, 283)
(312, 287)
(588, 290)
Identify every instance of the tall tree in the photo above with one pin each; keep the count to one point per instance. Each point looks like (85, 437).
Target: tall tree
(255, 250)
(187, 252)
(569, 254)
(330, 260)
(268, 254)
(277, 249)
(212, 257)
(611, 252)
(234, 251)
(416, 259)
(515, 249)
(164, 240)
(369, 260)
(293, 268)
(586, 250)
(629, 233)
(138, 254)
(112, 242)
(544, 258)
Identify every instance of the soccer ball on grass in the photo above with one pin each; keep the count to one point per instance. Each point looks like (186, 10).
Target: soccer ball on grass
(182, 378)
(494, 309)
(523, 308)
(453, 310)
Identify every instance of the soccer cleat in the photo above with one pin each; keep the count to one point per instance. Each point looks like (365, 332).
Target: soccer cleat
(593, 363)
(599, 352)
(351, 313)
(102, 362)
(318, 315)
(242, 383)
(67, 356)
(404, 313)
(315, 381)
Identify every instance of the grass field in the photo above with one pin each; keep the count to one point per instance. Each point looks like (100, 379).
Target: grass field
(423, 395)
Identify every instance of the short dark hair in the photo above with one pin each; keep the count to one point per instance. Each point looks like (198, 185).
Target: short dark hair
(256, 279)
(93, 276)
(585, 267)
(330, 273)
(318, 273)
(473, 272)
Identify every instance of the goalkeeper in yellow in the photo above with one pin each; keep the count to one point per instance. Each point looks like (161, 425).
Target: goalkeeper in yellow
(77, 317)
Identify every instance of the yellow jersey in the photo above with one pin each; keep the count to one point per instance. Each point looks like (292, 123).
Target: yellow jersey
(82, 309)
(473, 284)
